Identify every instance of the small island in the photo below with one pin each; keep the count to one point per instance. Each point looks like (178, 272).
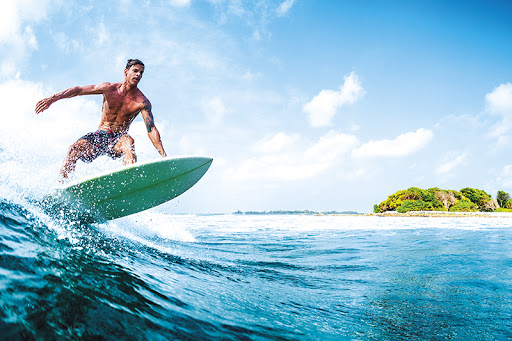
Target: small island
(415, 199)
(417, 202)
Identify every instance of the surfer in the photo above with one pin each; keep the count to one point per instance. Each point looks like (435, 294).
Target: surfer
(122, 102)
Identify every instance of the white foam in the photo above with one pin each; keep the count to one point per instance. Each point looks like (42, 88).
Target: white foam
(235, 223)
(150, 225)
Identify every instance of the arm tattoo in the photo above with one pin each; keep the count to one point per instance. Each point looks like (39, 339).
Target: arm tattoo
(149, 118)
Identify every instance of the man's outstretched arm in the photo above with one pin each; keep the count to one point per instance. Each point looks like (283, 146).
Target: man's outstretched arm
(45, 103)
(153, 133)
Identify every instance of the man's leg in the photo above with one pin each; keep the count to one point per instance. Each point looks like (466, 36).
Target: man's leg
(79, 149)
(126, 146)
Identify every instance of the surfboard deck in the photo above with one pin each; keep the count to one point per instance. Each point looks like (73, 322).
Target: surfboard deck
(129, 190)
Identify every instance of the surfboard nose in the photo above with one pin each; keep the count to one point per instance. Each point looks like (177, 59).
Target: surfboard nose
(197, 163)
(208, 161)
(204, 160)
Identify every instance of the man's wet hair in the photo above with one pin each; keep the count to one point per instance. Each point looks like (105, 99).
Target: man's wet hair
(132, 62)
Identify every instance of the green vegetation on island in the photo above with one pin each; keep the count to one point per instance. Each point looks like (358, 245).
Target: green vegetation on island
(435, 199)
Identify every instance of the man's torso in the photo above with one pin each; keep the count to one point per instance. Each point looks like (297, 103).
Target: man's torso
(120, 109)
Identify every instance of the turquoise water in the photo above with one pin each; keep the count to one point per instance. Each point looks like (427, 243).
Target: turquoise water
(159, 276)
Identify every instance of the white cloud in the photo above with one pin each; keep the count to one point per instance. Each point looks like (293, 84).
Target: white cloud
(451, 162)
(499, 101)
(30, 38)
(402, 145)
(330, 146)
(249, 75)
(323, 106)
(16, 34)
(103, 34)
(256, 35)
(354, 127)
(190, 144)
(214, 109)
(180, 3)
(504, 178)
(284, 7)
(66, 44)
(277, 143)
(291, 158)
(13, 15)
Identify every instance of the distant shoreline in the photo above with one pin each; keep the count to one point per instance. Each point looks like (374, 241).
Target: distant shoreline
(443, 214)
(428, 214)
(439, 214)
(297, 212)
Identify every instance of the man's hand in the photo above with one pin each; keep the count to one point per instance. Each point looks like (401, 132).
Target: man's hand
(43, 104)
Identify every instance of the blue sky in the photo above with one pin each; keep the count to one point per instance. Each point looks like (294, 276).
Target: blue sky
(321, 105)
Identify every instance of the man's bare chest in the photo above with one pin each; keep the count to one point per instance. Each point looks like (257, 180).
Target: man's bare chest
(121, 105)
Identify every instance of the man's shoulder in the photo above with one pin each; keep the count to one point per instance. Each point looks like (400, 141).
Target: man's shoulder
(108, 86)
(142, 98)
(140, 94)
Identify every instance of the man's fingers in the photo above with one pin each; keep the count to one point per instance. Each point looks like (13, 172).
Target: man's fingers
(41, 106)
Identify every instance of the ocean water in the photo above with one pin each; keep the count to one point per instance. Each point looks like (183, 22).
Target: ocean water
(161, 276)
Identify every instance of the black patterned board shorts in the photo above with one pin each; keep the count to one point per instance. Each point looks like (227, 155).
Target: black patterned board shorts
(103, 143)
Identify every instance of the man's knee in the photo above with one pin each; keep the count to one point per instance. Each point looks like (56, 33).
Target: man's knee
(127, 144)
(126, 147)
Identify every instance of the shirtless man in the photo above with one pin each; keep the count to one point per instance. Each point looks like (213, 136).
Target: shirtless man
(122, 102)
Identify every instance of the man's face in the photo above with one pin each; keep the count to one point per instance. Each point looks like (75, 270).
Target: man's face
(134, 74)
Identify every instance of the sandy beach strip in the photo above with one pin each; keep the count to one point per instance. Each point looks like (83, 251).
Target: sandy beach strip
(442, 214)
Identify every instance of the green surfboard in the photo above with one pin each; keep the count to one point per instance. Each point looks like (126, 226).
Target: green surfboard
(129, 190)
